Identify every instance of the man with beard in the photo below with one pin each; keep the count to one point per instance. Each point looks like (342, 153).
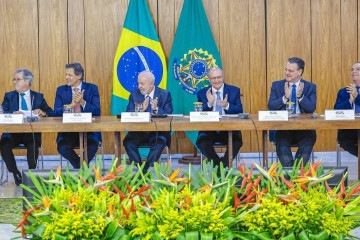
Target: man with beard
(155, 101)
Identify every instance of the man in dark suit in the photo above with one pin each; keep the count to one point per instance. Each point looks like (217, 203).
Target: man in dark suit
(156, 101)
(225, 99)
(349, 98)
(17, 101)
(303, 94)
(83, 97)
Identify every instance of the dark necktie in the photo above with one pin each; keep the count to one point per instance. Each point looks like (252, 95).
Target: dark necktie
(23, 102)
(218, 108)
(77, 108)
(357, 107)
(293, 97)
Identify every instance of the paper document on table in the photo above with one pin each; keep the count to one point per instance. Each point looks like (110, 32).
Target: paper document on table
(231, 115)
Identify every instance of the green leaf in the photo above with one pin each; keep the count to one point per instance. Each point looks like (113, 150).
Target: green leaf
(320, 236)
(194, 235)
(110, 229)
(303, 236)
(291, 236)
(206, 236)
(60, 237)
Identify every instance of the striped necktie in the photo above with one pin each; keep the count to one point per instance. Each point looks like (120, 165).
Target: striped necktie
(218, 108)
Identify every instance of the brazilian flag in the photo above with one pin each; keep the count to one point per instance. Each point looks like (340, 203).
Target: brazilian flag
(139, 49)
(193, 53)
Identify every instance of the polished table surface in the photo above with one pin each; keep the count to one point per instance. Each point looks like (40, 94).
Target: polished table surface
(182, 123)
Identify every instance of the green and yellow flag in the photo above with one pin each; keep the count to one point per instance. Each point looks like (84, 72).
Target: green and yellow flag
(139, 49)
(193, 53)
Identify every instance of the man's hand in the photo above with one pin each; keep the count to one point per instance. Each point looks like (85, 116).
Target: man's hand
(39, 112)
(351, 89)
(223, 103)
(78, 97)
(300, 90)
(145, 104)
(287, 89)
(210, 97)
(154, 104)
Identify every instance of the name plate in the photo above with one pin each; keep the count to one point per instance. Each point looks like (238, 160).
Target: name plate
(77, 117)
(135, 117)
(347, 114)
(11, 119)
(204, 116)
(273, 116)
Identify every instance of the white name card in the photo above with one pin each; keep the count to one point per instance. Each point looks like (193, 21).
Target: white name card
(204, 116)
(273, 116)
(135, 117)
(11, 119)
(347, 114)
(77, 117)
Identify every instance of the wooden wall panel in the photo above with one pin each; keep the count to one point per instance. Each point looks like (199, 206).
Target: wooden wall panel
(18, 41)
(103, 23)
(76, 31)
(255, 38)
(326, 60)
(53, 55)
(235, 50)
(288, 35)
(254, 98)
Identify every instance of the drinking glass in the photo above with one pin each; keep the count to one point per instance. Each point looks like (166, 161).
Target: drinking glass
(290, 108)
(198, 106)
(138, 106)
(68, 108)
(1, 109)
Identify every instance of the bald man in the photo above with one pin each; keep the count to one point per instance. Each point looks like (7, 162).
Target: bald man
(155, 101)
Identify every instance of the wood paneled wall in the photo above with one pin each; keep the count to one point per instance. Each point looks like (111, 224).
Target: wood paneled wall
(255, 38)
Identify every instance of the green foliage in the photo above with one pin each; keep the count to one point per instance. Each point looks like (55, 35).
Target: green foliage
(190, 204)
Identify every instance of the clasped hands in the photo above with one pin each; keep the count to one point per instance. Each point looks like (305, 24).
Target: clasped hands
(211, 99)
(288, 90)
(351, 89)
(154, 104)
(78, 97)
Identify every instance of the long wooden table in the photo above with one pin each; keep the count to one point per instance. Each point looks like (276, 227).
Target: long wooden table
(112, 124)
(99, 124)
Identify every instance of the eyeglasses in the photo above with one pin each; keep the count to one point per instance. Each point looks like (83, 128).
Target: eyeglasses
(215, 78)
(17, 79)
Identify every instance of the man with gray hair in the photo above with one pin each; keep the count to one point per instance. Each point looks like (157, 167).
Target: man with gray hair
(17, 102)
(156, 101)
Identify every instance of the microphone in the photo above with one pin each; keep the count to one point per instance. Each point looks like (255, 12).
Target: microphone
(315, 115)
(243, 115)
(32, 118)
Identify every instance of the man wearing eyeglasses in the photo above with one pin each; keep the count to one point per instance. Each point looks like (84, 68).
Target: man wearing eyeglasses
(17, 102)
(225, 99)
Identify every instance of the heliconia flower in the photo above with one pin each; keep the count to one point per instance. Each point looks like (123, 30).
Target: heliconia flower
(46, 201)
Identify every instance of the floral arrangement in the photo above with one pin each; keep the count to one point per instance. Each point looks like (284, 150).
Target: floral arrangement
(191, 204)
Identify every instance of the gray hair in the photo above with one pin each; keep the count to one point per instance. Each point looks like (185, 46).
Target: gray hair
(148, 74)
(26, 74)
(213, 69)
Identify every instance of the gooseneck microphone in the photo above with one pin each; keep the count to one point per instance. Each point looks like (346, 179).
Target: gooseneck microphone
(32, 118)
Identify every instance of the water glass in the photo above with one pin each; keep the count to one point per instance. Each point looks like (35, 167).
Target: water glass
(198, 106)
(1, 109)
(68, 108)
(290, 108)
(138, 106)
